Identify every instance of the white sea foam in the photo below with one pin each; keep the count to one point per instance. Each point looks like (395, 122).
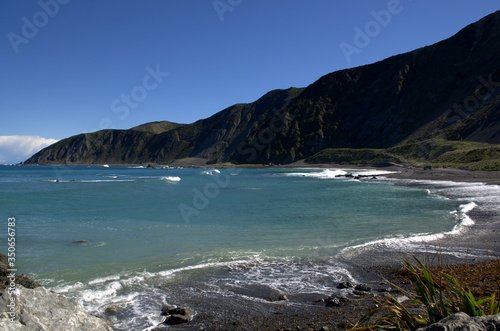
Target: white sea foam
(324, 174)
(104, 279)
(371, 172)
(104, 180)
(210, 172)
(95, 295)
(287, 276)
(171, 178)
(171, 272)
(334, 173)
(461, 214)
(417, 242)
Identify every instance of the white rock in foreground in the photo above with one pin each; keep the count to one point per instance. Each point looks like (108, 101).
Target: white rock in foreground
(463, 322)
(41, 309)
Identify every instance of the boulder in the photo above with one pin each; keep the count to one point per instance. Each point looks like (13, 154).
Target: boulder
(41, 309)
(463, 322)
(176, 315)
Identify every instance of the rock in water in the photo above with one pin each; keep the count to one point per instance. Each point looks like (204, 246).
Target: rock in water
(345, 285)
(462, 321)
(176, 315)
(41, 309)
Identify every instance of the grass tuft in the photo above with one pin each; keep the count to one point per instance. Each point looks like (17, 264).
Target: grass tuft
(440, 295)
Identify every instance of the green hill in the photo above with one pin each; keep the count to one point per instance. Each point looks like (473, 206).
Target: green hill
(439, 103)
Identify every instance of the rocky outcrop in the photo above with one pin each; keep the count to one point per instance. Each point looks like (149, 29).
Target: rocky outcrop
(463, 322)
(41, 309)
(19, 279)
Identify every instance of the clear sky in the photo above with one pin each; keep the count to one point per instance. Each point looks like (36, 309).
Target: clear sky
(74, 66)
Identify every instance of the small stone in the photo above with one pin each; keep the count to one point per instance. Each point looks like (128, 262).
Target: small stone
(359, 292)
(113, 309)
(345, 285)
(165, 308)
(332, 302)
(282, 297)
(343, 298)
(362, 287)
(176, 315)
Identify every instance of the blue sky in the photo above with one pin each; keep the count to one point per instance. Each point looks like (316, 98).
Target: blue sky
(73, 66)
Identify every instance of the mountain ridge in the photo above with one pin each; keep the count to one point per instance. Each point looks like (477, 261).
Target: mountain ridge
(445, 91)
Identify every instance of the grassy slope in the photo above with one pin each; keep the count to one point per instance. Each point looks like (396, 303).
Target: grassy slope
(434, 152)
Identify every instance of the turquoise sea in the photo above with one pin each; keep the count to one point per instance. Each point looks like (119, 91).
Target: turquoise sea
(124, 235)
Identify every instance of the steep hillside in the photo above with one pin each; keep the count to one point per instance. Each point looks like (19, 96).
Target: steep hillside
(408, 106)
(163, 142)
(405, 97)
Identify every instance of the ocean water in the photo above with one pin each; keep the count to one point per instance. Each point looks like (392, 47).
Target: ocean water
(123, 236)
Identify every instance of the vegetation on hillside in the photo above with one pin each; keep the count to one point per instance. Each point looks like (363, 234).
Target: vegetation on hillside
(438, 105)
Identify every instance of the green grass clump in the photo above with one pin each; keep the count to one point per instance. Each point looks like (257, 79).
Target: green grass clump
(440, 295)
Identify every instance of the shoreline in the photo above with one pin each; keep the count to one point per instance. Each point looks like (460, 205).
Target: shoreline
(405, 171)
(376, 265)
(368, 266)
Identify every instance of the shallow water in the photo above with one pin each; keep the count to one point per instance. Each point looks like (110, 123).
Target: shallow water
(124, 235)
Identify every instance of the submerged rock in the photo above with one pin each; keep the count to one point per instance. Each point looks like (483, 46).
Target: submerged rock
(80, 242)
(41, 309)
(113, 309)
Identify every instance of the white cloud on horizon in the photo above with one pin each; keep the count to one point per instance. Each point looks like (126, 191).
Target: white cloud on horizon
(15, 149)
